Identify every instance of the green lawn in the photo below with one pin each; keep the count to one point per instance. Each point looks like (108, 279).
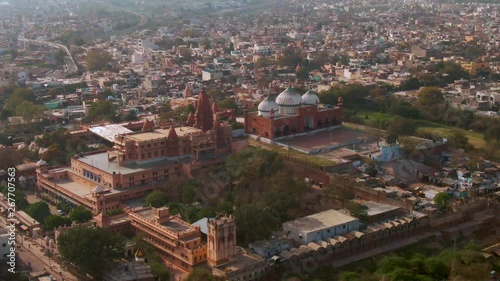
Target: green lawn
(475, 138)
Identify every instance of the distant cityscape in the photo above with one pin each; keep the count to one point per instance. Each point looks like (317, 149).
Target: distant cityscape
(250, 140)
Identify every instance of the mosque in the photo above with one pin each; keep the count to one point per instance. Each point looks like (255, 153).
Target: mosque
(290, 113)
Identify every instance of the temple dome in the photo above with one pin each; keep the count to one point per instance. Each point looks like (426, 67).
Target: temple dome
(97, 189)
(288, 101)
(266, 106)
(310, 98)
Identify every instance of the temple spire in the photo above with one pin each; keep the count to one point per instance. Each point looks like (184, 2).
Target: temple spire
(172, 134)
(203, 116)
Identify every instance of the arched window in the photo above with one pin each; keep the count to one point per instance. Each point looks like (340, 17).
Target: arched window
(286, 130)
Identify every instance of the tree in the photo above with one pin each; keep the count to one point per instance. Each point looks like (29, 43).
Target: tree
(96, 59)
(349, 276)
(202, 274)
(442, 200)
(18, 97)
(80, 214)
(459, 140)
(436, 268)
(102, 110)
(39, 211)
(253, 163)
(358, 210)
(392, 138)
(409, 144)
(156, 199)
(63, 206)
(342, 187)
(228, 103)
(263, 62)
(388, 264)
(92, 250)
(54, 155)
(492, 133)
(59, 57)
(431, 103)
(430, 96)
(254, 224)
(217, 94)
(29, 111)
(20, 197)
(185, 55)
(401, 274)
(55, 221)
(401, 126)
(188, 193)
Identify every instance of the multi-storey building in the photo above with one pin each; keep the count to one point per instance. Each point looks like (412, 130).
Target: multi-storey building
(174, 239)
(138, 162)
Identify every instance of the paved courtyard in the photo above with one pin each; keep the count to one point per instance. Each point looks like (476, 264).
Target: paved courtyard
(335, 137)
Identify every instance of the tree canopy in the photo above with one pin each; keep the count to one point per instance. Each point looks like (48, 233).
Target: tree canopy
(39, 211)
(97, 59)
(29, 111)
(402, 126)
(442, 200)
(102, 110)
(55, 221)
(80, 214)
(92, 250)
(19, 96)
(157, 199)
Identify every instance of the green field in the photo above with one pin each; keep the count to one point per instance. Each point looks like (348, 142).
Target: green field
(475, 138)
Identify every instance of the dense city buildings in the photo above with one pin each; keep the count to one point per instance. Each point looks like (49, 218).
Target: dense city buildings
(249, 140)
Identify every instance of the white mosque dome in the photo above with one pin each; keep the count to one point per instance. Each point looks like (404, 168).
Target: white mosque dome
(97, 189)
(288, 101)
(41, 163)
(266, 106)
(310, 97)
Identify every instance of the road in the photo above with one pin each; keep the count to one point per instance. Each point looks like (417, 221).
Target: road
(143, 21)
(30, 252)
(69, 60)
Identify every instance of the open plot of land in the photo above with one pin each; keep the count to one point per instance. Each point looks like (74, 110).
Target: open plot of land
(441, 130)
(337, 137)
(292, 153)
(475, 138)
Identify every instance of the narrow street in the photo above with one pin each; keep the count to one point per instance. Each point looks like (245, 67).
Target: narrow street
(31, 253)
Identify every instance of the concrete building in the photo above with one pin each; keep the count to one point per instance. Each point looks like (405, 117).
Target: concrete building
(4, 244)
(211, 74)
(174, 239)
(320, 226)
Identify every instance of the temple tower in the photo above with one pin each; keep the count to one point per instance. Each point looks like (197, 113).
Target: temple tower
(221, 240)
(203, 118)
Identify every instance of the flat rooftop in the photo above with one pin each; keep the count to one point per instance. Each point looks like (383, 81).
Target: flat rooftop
(326, 138)
(172, 225)
(320, 221)
(242, 261)
(108, 132)
(375, 208)
(163, 133)
(101, 161)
